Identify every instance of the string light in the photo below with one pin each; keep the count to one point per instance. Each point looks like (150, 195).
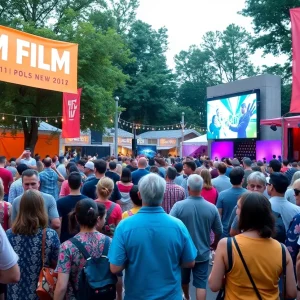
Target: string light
(26, 120)
(15, 119)
(55, 120)
(83, 117)
(3, 118)
(46, 120)
(62, 119)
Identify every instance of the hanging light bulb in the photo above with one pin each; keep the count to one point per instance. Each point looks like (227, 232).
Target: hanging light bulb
(15, 119)
(148, 128)
(172, 128)
(46, 120)
(55, 120)
(3, 118)
(130, 126)
(91, 124)
(36, 120)
(82, 117)
(62, 119)
(152, 128)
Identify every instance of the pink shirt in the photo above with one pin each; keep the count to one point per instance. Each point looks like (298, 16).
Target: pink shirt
(65, 189)
(116, 214)
(210, 195)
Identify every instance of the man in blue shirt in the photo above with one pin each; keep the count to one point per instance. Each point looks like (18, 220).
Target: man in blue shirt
(227, 200)
(49, 178)
(200, 217)
(138, 174)
(152, 247)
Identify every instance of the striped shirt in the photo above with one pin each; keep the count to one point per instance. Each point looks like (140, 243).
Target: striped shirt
(172, 194)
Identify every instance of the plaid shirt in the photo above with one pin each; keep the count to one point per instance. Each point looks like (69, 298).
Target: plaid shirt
(15, 190)
(49, 184)
(172, 194)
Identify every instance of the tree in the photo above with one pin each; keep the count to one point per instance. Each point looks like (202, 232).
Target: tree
(271, 20)
(124, 12)
(102, 55)
(229, 53)
(151, 88)
(194, 74)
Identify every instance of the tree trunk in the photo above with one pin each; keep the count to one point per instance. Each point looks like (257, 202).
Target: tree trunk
(30, 130)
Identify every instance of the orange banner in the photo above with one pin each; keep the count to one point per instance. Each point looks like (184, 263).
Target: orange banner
(38, 62)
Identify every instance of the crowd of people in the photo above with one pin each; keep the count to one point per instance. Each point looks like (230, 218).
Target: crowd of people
(144, 225)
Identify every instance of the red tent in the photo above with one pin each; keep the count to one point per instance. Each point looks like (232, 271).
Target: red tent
(286, 123)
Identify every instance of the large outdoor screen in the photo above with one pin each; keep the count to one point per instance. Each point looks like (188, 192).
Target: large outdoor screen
(233, 116)
(148, 151)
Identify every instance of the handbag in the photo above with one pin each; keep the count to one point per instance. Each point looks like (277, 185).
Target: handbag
(221, 294)
(247, 270)
(47, 278)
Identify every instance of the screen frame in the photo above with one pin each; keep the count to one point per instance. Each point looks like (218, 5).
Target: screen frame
(254, 91)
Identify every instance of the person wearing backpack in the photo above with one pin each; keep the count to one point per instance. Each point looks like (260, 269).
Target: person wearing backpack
(83, 267)
(104, 189)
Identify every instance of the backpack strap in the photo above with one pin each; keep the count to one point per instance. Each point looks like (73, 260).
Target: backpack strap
(283, 271)
(106, 246)
(80, 247)
(109, 212)
(229, 254)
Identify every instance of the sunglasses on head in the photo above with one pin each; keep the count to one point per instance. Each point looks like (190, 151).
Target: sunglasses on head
(297, 192)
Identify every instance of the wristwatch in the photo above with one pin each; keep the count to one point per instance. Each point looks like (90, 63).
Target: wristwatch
(298, 288)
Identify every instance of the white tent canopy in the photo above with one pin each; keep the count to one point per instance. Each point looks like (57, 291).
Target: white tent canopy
(200, 140)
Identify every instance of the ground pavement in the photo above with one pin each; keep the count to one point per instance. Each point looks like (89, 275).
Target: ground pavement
(209, 296)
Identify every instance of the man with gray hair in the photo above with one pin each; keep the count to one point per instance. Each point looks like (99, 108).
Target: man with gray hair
(200, 217)
(152, 247)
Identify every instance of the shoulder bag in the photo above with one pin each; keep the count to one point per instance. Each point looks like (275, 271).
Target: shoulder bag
(48, 278)
(247, 270)
(221, 294)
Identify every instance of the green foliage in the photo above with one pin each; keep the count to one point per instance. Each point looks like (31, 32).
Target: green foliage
(229, 53)
(150, 91)
(102, 55)
(271, 20)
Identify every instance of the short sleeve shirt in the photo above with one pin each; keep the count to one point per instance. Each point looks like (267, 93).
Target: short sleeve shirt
(8, 257)
(6, 177)
(29, 162)
(116, 214)
(71, 261)
(49, 202)
(135, 241)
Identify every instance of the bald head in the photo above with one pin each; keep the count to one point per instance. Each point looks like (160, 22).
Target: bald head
(142, 163)
(47, 162)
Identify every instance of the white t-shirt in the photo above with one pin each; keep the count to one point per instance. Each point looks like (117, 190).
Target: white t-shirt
(29, 162)
(8, 257)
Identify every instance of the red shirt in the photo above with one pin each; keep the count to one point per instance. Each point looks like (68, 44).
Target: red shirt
(210, 195)
(7, 178)
(116, 215)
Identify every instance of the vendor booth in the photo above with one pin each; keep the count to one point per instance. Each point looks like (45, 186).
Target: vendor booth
(196, 146)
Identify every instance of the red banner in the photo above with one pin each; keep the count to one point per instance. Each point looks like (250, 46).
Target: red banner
(295, 101)
(71, 115)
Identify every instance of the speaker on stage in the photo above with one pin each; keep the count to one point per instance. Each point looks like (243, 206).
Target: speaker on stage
(134, 147)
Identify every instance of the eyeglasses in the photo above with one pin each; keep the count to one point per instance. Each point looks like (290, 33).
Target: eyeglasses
(297, 192)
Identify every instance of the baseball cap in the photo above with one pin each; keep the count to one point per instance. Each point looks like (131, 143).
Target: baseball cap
(90, 165)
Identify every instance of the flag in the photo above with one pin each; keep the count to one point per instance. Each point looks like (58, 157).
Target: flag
(295, 19)
(71, 115)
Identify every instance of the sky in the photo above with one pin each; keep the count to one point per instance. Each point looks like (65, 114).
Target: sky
(188, 20)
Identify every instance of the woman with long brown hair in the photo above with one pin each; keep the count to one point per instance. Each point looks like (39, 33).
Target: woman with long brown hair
(252, 262)
(26, 237)
(209, 193)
